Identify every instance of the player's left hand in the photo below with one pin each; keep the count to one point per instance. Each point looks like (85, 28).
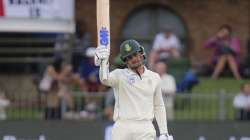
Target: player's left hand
(166, 137)
(101, 53)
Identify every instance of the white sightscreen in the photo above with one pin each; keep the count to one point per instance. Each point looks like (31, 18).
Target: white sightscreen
(37, 16)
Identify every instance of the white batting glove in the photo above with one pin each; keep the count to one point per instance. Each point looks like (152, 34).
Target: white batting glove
(166, 137)
(101, 53)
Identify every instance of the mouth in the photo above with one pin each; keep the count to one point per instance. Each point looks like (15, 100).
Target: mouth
(135, 62)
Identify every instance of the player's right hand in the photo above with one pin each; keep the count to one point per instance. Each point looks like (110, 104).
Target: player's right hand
(166, 137)
(102, 52)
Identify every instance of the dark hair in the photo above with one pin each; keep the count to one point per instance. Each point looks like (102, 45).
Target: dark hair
(57, 64)
(242, 86)
(227, 27)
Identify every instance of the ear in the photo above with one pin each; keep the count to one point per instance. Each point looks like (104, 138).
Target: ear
(123, 60)
(142, 51)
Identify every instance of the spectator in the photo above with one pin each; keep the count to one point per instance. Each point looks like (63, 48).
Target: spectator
(49, 86)
(109, 105)
(168, 86)
(4, 102)
(245, 69)
(242, 102)
(67, 79)
(89, 77)
(82, 41)
(226, 51)
(187, 82)
(89, 73)
(166, 45)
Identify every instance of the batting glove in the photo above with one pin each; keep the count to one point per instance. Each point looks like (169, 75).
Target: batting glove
(166, 137)
(101, 53)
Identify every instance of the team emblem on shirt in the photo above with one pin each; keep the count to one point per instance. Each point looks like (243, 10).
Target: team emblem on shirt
(131, 79)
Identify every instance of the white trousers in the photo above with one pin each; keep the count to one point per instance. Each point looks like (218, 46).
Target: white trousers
(133, 130)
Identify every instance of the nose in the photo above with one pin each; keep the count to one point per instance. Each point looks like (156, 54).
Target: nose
(132, 56)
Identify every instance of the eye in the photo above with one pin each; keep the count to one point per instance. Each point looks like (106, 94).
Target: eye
(129, 57)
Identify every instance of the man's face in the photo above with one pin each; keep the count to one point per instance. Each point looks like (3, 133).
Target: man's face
(167, 34)
(223, 33)
(247, 89)
(160, 68)
(134, 61)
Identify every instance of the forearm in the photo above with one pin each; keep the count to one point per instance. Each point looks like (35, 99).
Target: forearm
(160, 115)
(104, 72)
(159, 109)
(211, 42)
(102, 60)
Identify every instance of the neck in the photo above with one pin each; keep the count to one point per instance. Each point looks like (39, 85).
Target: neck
(140, 70)
(161, 74)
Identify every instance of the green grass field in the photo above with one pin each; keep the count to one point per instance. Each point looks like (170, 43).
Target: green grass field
(17, 113)
(226, 84)
(208, 107)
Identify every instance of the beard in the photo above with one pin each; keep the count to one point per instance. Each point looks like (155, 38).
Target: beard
(135, 65)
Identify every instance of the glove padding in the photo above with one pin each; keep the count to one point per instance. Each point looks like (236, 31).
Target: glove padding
(166, 137)
(101, 53)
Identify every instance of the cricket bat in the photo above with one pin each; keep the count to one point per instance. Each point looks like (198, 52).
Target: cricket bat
(103, 26)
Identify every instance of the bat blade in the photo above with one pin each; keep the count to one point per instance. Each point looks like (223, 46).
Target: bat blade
(103, 23)
(103, 28)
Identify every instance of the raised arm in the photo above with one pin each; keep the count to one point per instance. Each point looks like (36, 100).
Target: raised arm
(211, 42)
(102, 59)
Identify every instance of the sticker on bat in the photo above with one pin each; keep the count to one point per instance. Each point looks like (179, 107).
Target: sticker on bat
(104, 36)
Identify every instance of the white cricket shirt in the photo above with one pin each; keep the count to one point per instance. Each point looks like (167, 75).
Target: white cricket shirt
(241, 101)
(161, 41)
(168, 84)
(137, 98)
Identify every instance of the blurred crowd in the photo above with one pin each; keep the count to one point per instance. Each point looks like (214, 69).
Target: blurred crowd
(61, 79)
